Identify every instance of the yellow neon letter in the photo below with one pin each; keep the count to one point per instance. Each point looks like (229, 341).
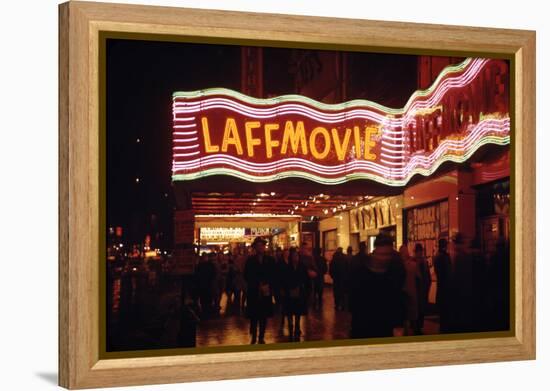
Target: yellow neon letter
(370, 130)
(269, 142)
(297, 137)
(208, 147)
(231, 136)
(341, 148)
(250, 140)
(357, 140)
(313, 147)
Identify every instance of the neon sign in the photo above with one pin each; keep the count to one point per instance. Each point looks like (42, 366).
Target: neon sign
(223, 132)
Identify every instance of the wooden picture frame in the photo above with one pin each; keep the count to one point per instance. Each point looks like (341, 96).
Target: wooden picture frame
(80, 24)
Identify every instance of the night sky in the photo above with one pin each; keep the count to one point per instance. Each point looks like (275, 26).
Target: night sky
(141, 77)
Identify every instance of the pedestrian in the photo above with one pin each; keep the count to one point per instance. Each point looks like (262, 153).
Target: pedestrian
(278, 285)
(216, 284)
(280, 271)
(205, 274)
(423, 287)
(499, 287)
(319, 280)
(377, 300)
(412, 279)
(258, 274)
(443, 297)
(307, 259)
(479, 286)
(240, 283)
(230, 281)
(358, 259)
(295, 285)
(462, 286)
(337, 271)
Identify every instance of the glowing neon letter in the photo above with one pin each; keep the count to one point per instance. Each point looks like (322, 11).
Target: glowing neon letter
(341, 148)
(269, 142)
(208, 147)
(250, 140)
(231, 136)
(357, 139)
(296, 136)
(316, 154)
(369, 131)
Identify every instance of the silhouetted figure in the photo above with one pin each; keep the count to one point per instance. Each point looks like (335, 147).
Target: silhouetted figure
(258, 274)
(296, 280)
(358, 259)
(205, 275)
(423, 287)
(443, 298)
(307, 259)
(462, 286)
(499, 287)
(412, 279)
(479, 286)
(319, 280)
(377, 300)
(278, 285)
(338, 273)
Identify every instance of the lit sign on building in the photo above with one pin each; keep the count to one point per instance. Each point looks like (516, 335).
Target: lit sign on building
(223, 132)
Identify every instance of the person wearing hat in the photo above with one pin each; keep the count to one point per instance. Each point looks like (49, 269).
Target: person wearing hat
(258, 273)
(377, 299)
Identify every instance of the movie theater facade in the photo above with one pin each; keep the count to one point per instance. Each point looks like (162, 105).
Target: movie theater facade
(294, 170)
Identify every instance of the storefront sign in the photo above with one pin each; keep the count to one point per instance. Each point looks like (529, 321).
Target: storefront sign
(428, 222)
(223, 132)
(221, 233)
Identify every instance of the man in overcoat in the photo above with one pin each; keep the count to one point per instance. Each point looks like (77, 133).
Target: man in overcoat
(259, 271)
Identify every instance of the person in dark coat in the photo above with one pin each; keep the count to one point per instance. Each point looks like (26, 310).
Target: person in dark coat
(295, 286)
(337, 271)
(205, 274)
(321, 269)
(377, 300)
(462, 286)
(307, 260)
(258, 274)
(423, 287)
(479, 286)
(357, 260)
(443, 298)
(281, 267)
(499, 287)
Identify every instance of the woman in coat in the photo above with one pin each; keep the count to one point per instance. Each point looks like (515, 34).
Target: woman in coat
(295, 293)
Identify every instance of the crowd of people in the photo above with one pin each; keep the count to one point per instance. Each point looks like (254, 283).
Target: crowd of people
(386, 291)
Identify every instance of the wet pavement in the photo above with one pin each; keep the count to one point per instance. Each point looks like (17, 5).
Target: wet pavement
(232, 328)
(149, 316)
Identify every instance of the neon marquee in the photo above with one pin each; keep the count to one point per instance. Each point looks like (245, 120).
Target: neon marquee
(223, 132)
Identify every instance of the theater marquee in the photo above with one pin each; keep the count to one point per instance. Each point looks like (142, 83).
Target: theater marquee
(223, 132)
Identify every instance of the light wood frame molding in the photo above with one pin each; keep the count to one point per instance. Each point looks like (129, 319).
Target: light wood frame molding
(80, 365)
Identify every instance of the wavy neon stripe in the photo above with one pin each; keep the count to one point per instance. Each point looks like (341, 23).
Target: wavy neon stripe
(330, 107)
(387, 175)
(480, 130)
(338, 180)
(439, 88)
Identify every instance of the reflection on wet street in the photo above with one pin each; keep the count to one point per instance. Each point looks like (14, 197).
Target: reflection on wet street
(231, 328)
(145, 316)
